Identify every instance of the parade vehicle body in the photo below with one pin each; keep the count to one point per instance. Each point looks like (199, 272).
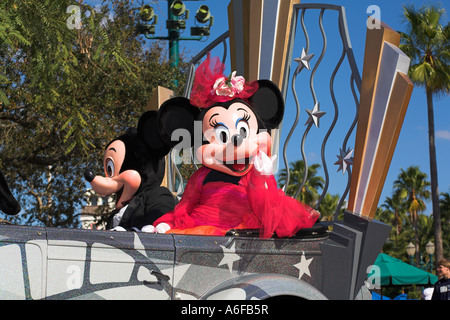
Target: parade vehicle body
(59, 263)
(331, 260)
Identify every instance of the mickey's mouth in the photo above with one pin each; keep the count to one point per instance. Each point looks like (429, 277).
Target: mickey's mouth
(118, 195)
(239, 166)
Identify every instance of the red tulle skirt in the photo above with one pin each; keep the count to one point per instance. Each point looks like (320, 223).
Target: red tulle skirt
(255, 203)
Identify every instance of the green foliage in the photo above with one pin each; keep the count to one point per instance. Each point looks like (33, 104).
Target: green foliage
(445, 222)
(309, 192)
(427, 43)
(397, 212)
(66, 92)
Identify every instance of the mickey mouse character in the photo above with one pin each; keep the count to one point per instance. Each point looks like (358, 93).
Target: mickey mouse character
(235, 188)
(134, 168)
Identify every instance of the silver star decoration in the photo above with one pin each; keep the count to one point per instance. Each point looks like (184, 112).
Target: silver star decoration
(314, 115)
(229, 257)
(303, 266)
(345, 159)
(303, 61)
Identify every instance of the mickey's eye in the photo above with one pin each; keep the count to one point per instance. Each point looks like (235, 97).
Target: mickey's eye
(109, 167)
(222, 133)
(243, 129)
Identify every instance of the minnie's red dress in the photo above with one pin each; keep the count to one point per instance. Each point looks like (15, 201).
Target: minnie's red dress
(250, 202)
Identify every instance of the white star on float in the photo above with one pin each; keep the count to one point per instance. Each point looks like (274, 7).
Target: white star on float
(345, 159)
(303, 266)
(314, 115)
(303, 61)
(229, 257)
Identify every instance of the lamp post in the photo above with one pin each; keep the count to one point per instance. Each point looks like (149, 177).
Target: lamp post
(177, 16)
(429, 247)
(411, 250)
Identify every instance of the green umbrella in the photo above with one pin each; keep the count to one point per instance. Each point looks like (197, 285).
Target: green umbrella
(393, 271)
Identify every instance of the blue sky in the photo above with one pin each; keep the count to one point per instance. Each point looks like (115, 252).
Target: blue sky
(412, 146)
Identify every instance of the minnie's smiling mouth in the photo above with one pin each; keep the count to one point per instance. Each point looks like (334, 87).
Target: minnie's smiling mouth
(239, 166)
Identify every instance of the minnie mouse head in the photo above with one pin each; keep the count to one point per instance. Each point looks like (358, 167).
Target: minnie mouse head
(236, 117)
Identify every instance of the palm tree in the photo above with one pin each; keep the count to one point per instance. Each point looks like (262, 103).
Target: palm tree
(328, 206)
(413, 182)
(445, 216)
(395, 211)
(427, 43)
(308, 194)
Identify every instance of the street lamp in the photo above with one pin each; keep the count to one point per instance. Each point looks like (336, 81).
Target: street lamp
(178, 8)
(147, 14)
(177, 16)
(202, 16)
(429, 247)
(411, 250)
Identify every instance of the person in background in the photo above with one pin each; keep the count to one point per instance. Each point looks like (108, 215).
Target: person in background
(442, 287)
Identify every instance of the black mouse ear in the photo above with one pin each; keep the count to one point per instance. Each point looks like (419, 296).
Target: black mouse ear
(268, 103)
(8, 204)
(148, 132)
(177, 113)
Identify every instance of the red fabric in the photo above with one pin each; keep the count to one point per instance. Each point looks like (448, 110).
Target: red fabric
(203, 95)
(248, 205)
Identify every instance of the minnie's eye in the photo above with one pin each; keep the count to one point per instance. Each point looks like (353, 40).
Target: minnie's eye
(243, 129)
(109, 168)
(222, 134)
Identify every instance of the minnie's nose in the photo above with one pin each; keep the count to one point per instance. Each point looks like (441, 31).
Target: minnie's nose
(237, 140)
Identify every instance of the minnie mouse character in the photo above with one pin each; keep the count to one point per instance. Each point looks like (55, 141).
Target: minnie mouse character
(235, 188)
(134, 168)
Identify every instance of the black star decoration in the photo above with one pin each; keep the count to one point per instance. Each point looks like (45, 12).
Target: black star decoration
(303, 61)
(314, 115)
(345, 159)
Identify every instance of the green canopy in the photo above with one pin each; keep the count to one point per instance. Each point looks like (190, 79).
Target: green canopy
(396, 272)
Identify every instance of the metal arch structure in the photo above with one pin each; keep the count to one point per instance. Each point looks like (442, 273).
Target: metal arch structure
(299, 11)
(355, 79)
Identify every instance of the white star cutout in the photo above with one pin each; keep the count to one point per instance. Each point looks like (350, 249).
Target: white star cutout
(344, 159)
(303, 61)
(303, 266)
(229, 257)
(314, 115)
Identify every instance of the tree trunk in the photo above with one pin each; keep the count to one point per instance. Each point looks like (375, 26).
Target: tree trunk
(434, 179)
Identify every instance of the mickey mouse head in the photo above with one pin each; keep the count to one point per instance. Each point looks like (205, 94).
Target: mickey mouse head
(132, 162)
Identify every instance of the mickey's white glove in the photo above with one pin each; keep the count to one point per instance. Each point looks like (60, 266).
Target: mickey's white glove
(118, 228)
(160, 228)
(148, 228)
(264, 164)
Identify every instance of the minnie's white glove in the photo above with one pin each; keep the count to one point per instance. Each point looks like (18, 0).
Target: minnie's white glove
(162, 228)
(264, 164)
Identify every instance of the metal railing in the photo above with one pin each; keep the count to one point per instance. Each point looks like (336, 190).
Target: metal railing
(299, 14)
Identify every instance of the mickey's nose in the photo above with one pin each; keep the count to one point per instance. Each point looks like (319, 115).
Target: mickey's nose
(237, 140)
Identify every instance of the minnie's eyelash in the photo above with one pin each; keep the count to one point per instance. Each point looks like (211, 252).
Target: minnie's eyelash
(213, 123)
(246, 117)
